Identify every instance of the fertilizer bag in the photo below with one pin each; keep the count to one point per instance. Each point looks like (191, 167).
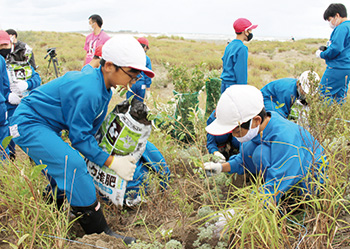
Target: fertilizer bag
(123, 132)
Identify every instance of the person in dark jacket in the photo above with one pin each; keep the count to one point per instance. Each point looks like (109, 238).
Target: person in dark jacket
(20, 51)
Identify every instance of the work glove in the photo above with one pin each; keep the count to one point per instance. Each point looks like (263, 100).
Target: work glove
(221, 157)
(124, 167)
(148, 95)
(14, 99)
(224, 217)
(19, 86)
(22, 85)
(318, 53)
(322, 48)
(212, 169)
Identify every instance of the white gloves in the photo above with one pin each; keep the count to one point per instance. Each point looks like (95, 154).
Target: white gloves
(22, 85)
(221, 223)
(148, 95)
(14, 99)
(124, 167)
(318, 53)
(212, 169)
(19, 86)
(221, 157)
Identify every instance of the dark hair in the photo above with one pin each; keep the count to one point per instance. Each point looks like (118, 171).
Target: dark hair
(262, 114)
(238, 33)
(103, 62)
(132, 70)
(11, 32)
(97, 19)
(144, 45)
(333, 9)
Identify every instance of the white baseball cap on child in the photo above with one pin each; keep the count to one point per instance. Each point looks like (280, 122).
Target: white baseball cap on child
(237, 105)
(126, 51)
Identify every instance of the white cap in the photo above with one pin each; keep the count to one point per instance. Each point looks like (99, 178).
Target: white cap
(304, 80)
(126, 51)
(237, 105)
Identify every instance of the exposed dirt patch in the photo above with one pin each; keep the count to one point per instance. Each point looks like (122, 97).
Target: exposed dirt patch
(98, 240)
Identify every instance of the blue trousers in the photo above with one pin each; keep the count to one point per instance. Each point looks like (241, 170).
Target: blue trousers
(12, 145)
(4, 129)
(334, 84)
(224, 85)
(64, 164)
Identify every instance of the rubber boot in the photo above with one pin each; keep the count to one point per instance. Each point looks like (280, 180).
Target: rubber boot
(92, 220)
(58, 198)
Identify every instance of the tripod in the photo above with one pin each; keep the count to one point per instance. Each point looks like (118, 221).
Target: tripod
(52, 53)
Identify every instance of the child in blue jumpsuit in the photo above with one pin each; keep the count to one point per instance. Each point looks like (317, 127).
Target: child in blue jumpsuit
(151, 161)
(141, 89)
(217, 144)
(4, 89)
(78, 102)
(282, 151)
(335, 80)
(281, 94)
(22, 78)
(235, 59)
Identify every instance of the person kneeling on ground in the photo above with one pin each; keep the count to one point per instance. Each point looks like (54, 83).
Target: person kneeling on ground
(222, 146)
(280, 95)
(285, 154)
(78, 102)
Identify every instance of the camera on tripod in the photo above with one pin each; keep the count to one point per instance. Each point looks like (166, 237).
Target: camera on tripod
(51, 52)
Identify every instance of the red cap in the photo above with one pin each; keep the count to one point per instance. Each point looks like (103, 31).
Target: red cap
(4, 37)
(143, 40)
(98, 51)
(242, 24)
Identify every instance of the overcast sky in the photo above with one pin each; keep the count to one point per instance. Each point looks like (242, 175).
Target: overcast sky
(276, 18)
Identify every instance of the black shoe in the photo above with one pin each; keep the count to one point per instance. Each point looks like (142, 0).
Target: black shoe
(127, 240)
(93, 221)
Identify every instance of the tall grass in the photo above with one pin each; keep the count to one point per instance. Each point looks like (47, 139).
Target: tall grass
(176, 215)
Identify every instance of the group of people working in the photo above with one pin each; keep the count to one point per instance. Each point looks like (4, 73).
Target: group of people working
(285, 154)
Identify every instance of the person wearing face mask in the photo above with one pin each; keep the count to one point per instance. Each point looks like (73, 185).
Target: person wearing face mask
(235, 59)
(280, 95)
(284, 153)
(142, 88)
(22, 79)
(78, 102)
(335, 80)
(20, 51)
(96, 38)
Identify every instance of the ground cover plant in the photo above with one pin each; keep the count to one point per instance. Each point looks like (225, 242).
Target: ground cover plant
(184, 214)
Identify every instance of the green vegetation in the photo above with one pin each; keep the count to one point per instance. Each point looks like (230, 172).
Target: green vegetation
(183, 215)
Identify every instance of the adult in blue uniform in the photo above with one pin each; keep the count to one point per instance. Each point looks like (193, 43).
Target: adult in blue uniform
(4, 89)
(281, 94)
(142, 88)
(335, 81)
(22, 79)
(78, 102)
(283, 152)
(235, 59)
(221, 146)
